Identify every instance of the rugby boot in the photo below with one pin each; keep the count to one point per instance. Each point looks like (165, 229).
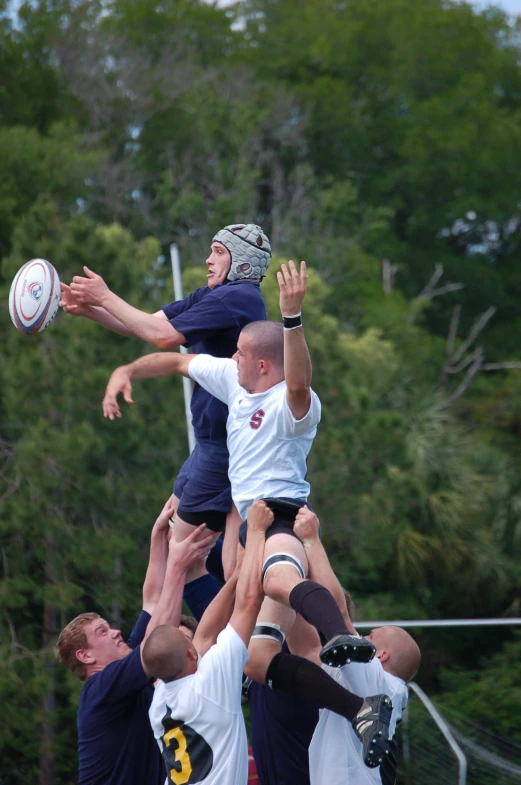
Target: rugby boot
(347, 648)
(371, 725)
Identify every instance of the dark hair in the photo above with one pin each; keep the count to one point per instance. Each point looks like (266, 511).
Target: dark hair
(268, 341)
(189, 622)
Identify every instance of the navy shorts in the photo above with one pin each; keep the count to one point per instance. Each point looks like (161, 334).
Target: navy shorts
(202, 484)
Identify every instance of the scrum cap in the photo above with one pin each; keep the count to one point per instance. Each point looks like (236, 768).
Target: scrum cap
(249, 248)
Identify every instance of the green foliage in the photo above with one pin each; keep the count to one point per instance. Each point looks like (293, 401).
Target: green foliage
(490, 696)
(372, 139)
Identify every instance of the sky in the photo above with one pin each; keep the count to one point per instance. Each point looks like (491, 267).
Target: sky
(510, 6)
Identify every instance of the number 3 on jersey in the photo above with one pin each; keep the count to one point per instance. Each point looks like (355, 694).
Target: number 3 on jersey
(179, 776)
(188, 757)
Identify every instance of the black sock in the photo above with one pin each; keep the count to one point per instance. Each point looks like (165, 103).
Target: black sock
(305, 680)
(318, 607)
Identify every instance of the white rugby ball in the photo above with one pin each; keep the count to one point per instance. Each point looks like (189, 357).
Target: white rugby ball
(34, 296)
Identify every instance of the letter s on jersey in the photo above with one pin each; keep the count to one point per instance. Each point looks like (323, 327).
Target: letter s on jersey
(256, 419)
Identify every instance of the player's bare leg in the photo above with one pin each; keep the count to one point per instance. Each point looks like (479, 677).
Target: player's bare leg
(284, 580)
(181, 532)
(231, 539)
(274, 623)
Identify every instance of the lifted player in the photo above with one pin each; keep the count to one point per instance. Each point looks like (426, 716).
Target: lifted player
(209, 320)
(272, 421)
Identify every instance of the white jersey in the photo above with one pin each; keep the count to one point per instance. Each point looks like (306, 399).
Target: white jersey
(268, 447)
(335, 752)
(198, 721)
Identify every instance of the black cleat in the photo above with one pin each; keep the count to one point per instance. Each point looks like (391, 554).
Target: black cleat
(347, 648)
(371, 725)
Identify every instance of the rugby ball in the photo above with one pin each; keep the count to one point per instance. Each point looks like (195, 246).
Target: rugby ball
(34, 296)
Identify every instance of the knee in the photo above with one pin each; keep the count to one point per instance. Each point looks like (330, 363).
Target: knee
(261, 651)
(256, 671)
(274, 585)
(281, 573)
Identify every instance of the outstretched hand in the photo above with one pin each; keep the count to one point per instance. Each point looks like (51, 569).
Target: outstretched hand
(306, 525)
(70, 303)
(193, 548)
(90, 290)
(119, 382)
(292, 286)
(162, 522)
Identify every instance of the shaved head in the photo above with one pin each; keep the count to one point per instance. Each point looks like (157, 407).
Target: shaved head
(266, 341)
(165, 653)
(397, 651)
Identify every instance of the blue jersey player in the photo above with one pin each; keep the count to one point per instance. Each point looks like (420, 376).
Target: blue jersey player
(209, 320)
(115, 742)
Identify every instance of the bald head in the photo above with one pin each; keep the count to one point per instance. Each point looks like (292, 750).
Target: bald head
(165, 654)
(266, 341)
(397, 651)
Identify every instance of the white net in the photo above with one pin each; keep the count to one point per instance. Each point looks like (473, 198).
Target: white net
(427, 759)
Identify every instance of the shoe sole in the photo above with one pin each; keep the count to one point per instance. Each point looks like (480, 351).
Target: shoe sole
(378, 750)
(337, 656)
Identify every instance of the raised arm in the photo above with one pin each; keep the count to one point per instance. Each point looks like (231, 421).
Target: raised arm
(181, 557)
(297, 362)
(306, 528)
(150, 366)
(217, 615)
(93, 294)
(250, 594)
(155, 575)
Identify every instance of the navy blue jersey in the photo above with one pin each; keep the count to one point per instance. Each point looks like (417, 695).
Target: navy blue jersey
(281, 731)
(115, 741)
(211, 320)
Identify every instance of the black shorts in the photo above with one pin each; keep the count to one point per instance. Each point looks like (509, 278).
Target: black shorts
(284, 514)
(215, 519)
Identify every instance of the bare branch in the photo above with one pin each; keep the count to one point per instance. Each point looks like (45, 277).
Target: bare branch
(463, 364)
(477, 327)
(426, 292)
(450, 287)
(467, 381)
(388, 272)
(473, 362)
(429, 291)
(453, 329)
(500, 366)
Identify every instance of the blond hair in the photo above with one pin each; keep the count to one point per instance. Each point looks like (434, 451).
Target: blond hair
(72, 638)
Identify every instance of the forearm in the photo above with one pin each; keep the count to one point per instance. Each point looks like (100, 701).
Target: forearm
(152, 366)
(103, 317)
(229, 551)
(216, 616)
(297, 362)
(320, 570)
(143, 325)
(156, 570)
(249, 587)
(297, 372)
(169, 607)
